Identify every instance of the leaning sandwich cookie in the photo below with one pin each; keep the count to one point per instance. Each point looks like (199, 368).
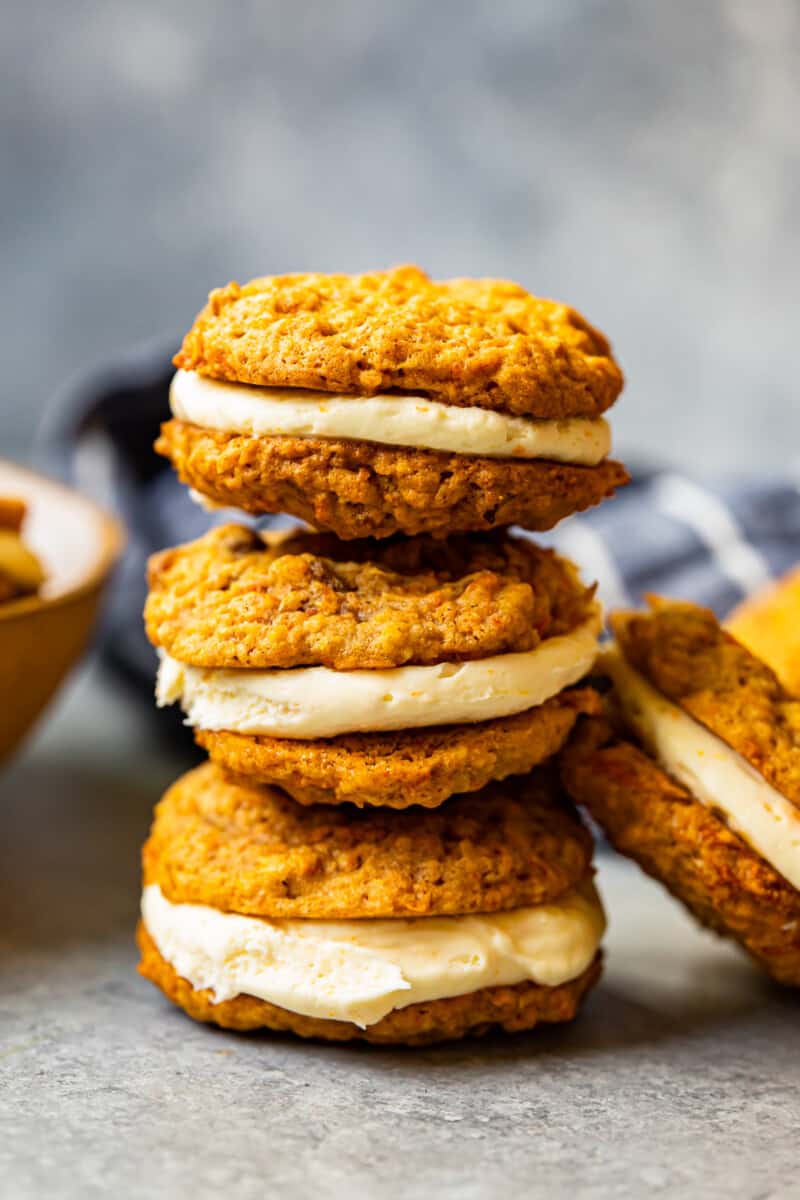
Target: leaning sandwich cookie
(705, 795)
(408, 927)
(389, 673)
(374, 404)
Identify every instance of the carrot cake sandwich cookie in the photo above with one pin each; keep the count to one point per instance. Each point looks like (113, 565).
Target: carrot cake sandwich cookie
(387, 402)
(338, 923)
(388, 673)
(705, 795)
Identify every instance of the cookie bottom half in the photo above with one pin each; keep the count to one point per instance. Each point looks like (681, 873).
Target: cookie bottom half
(687, 847)
(412, 767)
(361, 489)
(511, 1009)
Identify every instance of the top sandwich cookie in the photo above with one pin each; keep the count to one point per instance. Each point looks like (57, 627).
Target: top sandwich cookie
(390, 673)
(706, 794)
(379, 403)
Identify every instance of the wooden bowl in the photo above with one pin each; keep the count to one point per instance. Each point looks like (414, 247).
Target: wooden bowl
(42, 636)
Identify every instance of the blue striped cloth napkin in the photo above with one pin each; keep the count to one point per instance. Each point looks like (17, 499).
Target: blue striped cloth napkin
(713, 542)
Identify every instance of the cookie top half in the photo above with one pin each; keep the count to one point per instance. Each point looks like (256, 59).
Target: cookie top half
(252, 850)
(465, 342)
(236, 599)
(685, 654)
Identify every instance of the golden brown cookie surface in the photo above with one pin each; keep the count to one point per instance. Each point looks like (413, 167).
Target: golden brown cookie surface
(359, 490)
(256, 852)
(422, 766)
(684, 652)
(230, 599)
(512, 1009)
(686, 847)
(463, 341)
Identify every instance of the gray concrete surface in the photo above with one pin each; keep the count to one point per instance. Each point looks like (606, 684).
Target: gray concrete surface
(641, 160)
(680, 1079)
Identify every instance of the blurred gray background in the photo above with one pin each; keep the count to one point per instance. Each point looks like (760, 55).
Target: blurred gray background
(639, 159)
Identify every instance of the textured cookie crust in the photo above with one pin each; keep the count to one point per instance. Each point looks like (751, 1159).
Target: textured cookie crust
(512, 1009)
(397, 770)
(684, 845)
(357, 489)
(230, 599)
(254, 851)
(466, 342)
(682, 650)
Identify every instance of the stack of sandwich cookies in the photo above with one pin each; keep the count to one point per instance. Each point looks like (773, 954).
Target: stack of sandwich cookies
(380, 846)
(697, 776)
(338, 923)
(374, 404)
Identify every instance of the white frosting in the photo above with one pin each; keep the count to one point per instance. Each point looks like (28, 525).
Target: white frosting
(361, 970)
(708, 768)
(316, 702)
(392, 420)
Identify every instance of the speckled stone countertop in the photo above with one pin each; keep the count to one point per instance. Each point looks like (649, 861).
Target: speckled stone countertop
(680, 1079)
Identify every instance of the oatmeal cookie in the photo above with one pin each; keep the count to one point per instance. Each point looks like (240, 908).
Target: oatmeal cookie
(686, 655)
(464, 342)
(686, 846)
(253, 850)
(412, 767)
(235, 599)
(511, 1009)
(358, 489)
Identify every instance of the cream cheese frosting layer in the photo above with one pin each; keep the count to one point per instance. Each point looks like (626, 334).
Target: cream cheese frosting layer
(394, 420)
(316, 702)
(359, 971)
(715, 774)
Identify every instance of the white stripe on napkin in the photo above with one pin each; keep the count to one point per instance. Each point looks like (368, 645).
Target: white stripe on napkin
(684, 500)
(576, 539)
